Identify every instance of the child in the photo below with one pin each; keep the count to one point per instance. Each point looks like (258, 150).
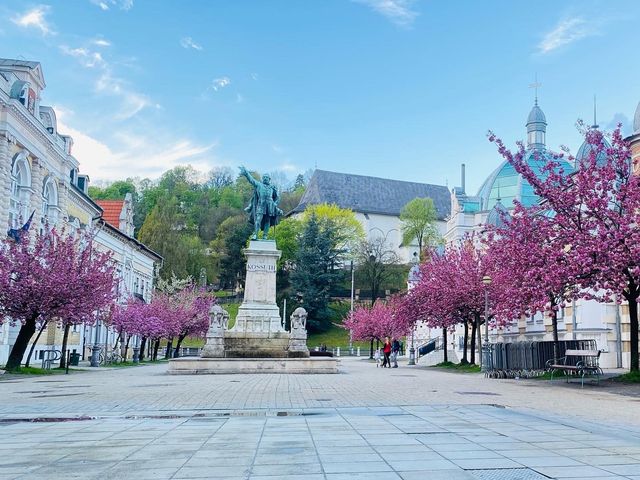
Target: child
(377, 357)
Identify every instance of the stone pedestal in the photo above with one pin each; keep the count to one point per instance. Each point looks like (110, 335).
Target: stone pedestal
(298, 336)
(259, 312)
(258, 331)
(218, 322)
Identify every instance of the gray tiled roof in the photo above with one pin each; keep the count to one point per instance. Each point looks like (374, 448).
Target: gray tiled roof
(370, 194)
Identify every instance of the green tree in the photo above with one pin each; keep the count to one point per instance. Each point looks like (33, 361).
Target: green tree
(115, 191)
(378, 263)
(418, 219)
(315, 272)
(231, 238)
(164, 231)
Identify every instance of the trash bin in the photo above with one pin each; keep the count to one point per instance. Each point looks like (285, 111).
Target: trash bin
(74, 358)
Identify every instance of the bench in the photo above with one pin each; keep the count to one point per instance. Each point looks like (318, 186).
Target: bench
(577, 362)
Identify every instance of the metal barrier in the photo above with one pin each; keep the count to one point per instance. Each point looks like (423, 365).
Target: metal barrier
(48, 357)
(528, 359)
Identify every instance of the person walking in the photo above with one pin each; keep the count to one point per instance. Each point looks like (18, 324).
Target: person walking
(386, 350)
(377, 356)
(395, 351)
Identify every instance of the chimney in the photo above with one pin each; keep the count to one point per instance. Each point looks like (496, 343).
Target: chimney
(462, 182)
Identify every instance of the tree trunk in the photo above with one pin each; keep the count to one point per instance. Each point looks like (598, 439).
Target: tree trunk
(176, 351)
(143, 343)
(156, 346)
(473, 341)
(444, 345)
(65, 338)
(478, 324)
(33, 345)
(167, 353)
(633, 329)
(126, 348)
(27, 330)
(371, 350)
(465, 358)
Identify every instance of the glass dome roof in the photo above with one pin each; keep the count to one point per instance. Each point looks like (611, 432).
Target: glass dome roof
(508, 185)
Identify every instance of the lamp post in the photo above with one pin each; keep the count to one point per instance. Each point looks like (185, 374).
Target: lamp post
(351, 309)
(486, 351)
(136, 350)
(413, 279)
(95, 349)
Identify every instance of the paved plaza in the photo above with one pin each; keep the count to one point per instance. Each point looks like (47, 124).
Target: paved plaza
(406, 423)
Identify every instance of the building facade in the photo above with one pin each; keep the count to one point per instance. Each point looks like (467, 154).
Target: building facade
(39, 178)
(376, 203)
(607, 323)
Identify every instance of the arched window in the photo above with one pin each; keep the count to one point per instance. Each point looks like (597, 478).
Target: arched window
(50, 207)
(20, 191)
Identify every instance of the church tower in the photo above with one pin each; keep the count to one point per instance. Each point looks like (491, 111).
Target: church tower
(536, 128)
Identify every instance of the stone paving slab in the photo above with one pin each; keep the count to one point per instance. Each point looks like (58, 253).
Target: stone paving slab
(141, 423)
(332, 443)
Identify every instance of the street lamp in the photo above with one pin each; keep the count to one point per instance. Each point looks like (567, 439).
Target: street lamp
(95, 349)
(486, 351)
(351, 309)
(136, 350)
(413, 278)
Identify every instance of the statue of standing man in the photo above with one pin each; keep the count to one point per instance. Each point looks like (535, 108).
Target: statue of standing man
(263, 209)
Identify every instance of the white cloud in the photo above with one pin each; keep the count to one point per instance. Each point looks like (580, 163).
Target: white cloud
(399, 12)
(86, 57)
(134, 154)
(220, 83)
(35, 18)
(131, 102)
(239, 98)
(105, 5)
(187, 42)
(101, 42)
(566, 32)
(288, 167)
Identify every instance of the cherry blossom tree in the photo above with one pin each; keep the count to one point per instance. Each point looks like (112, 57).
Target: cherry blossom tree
(535, 269)
(54, 276)
(180, 314)
(377, 321)
(192, 307)
(594, 213)
(451, 290)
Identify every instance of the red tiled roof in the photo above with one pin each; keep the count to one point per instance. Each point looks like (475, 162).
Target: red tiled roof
(112, 210)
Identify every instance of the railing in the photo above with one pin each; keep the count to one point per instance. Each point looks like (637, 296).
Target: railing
(528, 359)
(430, 346)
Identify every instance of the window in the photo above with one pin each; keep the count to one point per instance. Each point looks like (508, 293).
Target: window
(50, 201)
(20, 191)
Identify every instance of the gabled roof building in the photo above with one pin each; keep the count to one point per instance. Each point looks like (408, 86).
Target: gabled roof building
(376, 202)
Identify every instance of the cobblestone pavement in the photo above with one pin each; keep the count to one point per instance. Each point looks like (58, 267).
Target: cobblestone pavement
(363, 423)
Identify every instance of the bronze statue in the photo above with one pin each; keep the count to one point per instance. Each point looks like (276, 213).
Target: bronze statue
(263, 209)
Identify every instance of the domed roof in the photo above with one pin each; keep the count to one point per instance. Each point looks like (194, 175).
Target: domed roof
(536, 115)
(508, 185)
(584, 152)
(636, 120)
(497, 215)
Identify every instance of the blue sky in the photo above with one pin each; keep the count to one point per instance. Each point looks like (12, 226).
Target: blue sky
(393, 88)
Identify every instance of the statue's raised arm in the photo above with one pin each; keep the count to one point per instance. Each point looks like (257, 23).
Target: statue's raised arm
(248, 176)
